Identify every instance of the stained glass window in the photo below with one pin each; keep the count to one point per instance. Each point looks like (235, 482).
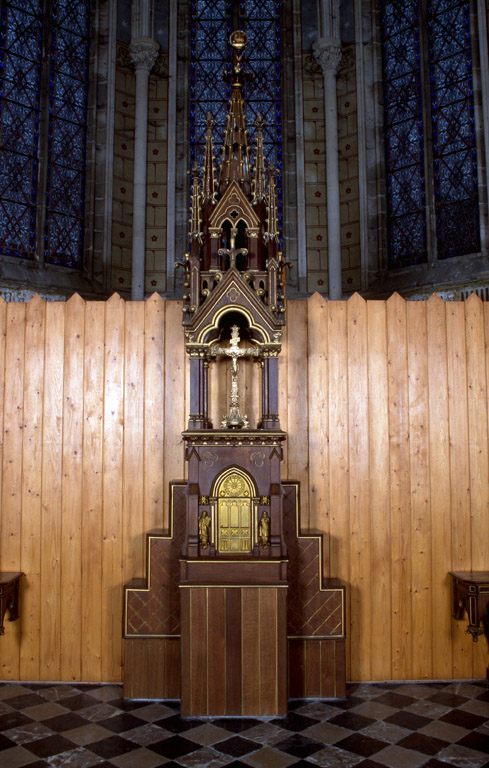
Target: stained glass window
(454, 142)
(429, 133)
(212, 24)
(42, 171)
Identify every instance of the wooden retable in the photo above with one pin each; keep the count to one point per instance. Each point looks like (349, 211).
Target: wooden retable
(10, 583)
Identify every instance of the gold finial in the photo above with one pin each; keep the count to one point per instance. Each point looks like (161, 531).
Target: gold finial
(238, 39)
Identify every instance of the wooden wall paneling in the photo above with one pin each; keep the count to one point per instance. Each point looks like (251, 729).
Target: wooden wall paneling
(381, 580)
(268, 658)
(199, 674)
(296, 667)
(318, 428)
(216, 645)
(400, 488)
(10, 545)
(339, 487)
(459, 473)
(71, 489)
(417, 348)
(3, 335)
(51, 532)
(31, 488)
(92, 527)
(133, 456)
(250, 619)
(154, 394)
(478, 451)
(112, 570)
(234, 661)
(359, 502)
(313, 669)
(439, 449)
(297, 404)
(175, 375)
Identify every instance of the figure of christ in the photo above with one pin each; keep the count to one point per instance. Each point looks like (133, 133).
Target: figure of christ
(233, 419)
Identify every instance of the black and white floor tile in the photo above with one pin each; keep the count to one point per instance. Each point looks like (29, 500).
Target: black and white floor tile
(433, 725)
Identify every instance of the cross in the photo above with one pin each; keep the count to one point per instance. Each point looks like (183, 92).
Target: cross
(233, 419)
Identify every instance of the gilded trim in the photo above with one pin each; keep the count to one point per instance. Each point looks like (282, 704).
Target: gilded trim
(321, 577)
(147, 588)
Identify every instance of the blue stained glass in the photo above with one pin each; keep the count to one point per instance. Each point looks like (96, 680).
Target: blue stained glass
(403, 111)
(452, 127)
(211, 56)
(454, 141)
(20, 57)
(68, 81)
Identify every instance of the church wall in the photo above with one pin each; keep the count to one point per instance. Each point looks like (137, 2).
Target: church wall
(385, 404)
(156, 181)
(315, 174)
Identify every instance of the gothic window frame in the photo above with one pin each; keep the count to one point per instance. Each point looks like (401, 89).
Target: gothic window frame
(378, 276)
(91, 278)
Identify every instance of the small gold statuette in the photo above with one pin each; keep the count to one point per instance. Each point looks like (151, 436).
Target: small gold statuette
(264, 530)
(204, 525)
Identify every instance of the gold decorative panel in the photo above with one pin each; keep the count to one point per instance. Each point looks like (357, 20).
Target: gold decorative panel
(234, 514)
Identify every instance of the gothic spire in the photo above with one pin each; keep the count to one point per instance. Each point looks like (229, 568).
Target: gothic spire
(209, 182)
(235, 165)
(259, 180)
(196, 209)
(272, 232)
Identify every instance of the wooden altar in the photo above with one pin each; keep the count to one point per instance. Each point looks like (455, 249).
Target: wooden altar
(234, 597)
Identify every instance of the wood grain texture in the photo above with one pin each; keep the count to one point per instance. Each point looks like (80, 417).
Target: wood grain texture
(388, 407)
(441, 529)
(400, 538)
(380, 528)
(419, 463)
(72, 483)
(31, 487)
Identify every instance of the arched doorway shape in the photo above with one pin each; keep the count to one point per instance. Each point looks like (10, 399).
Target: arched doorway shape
(235, 494)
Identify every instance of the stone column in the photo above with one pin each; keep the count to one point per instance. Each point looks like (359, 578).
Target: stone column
(327, 51)
(143, 51)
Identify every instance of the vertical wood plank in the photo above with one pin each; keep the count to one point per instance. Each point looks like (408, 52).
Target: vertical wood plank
(71, 491)
(250, 623)
(420, 490)
(459, 472)
(93, 415)
(317, 398)
(112, 573)
(361, 628)
(339, 488)
(478, 451)
(441, 538)
(10, 545)
(216, 650)
(31, 488)
(381, 580)
(154, 346)
(175, 366)
(298, 453)
(52, 438)
(400, 488)
(268, 656)
(133, 464)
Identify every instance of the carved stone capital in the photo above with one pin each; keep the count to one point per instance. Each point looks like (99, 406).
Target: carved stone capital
(144, 52)
(327, 52)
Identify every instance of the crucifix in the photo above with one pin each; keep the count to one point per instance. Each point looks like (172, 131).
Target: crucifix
(233, 419)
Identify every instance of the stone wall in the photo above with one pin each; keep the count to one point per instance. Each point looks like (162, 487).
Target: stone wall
(123, 176)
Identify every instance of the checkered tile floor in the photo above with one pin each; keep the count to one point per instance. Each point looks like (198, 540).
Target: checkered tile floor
(399, 726)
